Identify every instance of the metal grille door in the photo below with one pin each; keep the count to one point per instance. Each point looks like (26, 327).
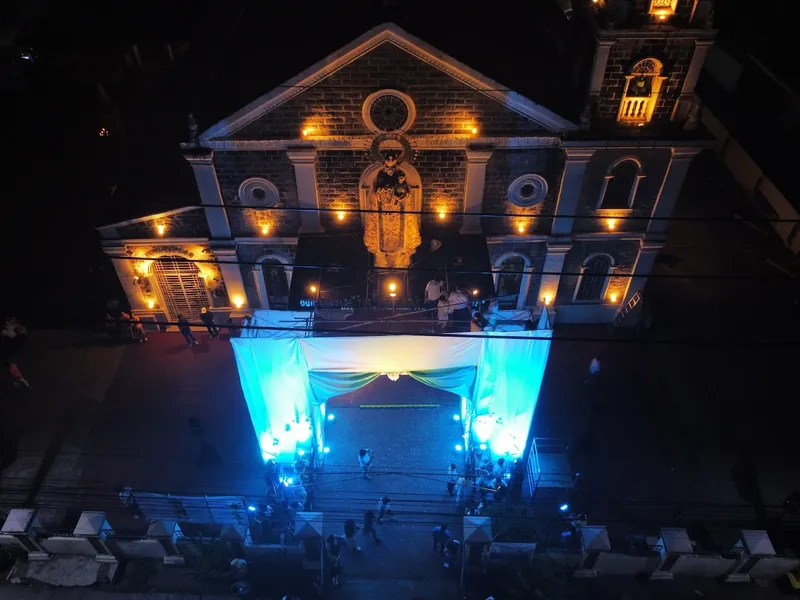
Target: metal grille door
(180, 287)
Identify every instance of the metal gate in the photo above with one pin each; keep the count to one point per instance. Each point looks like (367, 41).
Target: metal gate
(180, 288)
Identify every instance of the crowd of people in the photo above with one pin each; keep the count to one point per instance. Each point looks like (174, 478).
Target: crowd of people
(458, 308)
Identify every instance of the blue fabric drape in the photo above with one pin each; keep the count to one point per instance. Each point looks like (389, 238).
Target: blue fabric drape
(459, 381)
(329, 384)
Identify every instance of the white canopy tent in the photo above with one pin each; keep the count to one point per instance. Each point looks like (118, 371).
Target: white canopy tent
(286, 381)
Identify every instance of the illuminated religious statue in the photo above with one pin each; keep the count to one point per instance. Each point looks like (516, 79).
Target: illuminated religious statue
(391, 234)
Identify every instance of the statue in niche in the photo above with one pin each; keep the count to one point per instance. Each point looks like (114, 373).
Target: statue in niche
(392, 236)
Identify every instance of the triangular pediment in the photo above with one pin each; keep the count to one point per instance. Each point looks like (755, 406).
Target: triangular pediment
(375, 40)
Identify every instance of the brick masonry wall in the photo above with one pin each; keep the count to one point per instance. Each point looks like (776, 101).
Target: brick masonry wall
(675, 55)
(535, 252)
(443, 174)
(624, 253)
(234, 167)
(189, 224)
(654, 162)
(502, 169)
(250, 253)
(333, 107)
(338, 177)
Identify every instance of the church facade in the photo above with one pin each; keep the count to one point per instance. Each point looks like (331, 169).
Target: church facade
(393, 144)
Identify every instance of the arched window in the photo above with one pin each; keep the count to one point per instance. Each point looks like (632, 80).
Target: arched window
(511, 280)
(640, 95)
(276, 282)
(621, 182)
(593, 280)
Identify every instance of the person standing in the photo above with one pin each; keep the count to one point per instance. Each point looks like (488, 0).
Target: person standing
(433, 290)
(385, 509)
(369, 526)
(442, 311)
(186, 331)
(365, 456)
(208, 320)
(452, 478)
(593, 377)
(440, 537)
(350, 529)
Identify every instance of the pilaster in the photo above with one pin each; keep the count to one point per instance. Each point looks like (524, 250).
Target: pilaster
(601, 54)
(210, 195)
(553, 266)
(305, 173)
(261, 286)
(570, 190)
(670, 188)
(684, 102)
(473, 189)
(648, 251)
(232, 276)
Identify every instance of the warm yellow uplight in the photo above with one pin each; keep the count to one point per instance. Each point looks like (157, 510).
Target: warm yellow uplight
(238, 301)
(521, 227)
(662, 17)
(313, 289)
(392, 295)
(392, 287)
(611, 223)
(340, 215)
(546, 300)
(595, 1)
(306, 131)
(613, 297)
(474, 131)
(161, 228)
(151, 303)
(265, 227)
(442, 214)
(475, 292)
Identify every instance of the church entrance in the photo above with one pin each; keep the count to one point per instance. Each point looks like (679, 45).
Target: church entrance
(180, 287)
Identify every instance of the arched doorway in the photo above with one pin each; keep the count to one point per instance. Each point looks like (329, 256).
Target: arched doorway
(273, 281)
(511, 281)
(180, 287)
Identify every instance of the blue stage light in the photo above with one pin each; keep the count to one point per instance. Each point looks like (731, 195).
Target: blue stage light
(290, 481)
(251, 508)
(326, 449)
(301, 452)
(456, 417)
(482, 446)
(564, 507)
(459, 448)
(331, 417)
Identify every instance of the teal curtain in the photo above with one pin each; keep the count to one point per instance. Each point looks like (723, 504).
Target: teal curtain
(329, 384)
(458, 380)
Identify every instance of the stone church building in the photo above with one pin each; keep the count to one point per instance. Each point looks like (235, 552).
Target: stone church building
(392, 159)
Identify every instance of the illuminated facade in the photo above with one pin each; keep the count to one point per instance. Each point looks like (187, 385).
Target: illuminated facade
(390, 123)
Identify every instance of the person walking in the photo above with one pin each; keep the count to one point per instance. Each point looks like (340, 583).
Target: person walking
(16, 375)
(385, 510)
(440, 537)
(186, 331)
(452, 478)
(365, 456)
(350, 529)
(593, 376)
(208, 320)
(369, 526)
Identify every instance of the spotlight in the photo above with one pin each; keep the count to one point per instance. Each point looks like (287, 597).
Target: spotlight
(459, 447)
(290, 481)
(331, 417)
(482, 446)
(456, 417)
(326, 450)
(251, 508)
(301, 452)
(564, 507)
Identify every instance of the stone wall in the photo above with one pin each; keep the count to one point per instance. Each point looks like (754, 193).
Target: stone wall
(624, 253)
(535, 252)
(654, 165)
(502, 169)
(443, 174)
(249, 254)
(674, 54)
(338, 176)
(189, 224)
(333, 107)
(234, 167)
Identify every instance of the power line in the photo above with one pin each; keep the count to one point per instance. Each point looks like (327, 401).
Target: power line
(733, 277)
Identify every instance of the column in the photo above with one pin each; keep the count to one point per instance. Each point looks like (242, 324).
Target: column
(553, 266)
(571, 184)
(671, 187)
(126, 275)
(305, 174)
(210, 194)
(648, 251)
(601, 54)
(261, 287)
(232, 276)
(684, 102)
(473, 189)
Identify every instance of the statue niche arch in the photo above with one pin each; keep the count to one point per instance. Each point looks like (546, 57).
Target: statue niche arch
(391, 185)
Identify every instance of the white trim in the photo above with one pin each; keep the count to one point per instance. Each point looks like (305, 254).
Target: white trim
(162, 215)
(250, 184)
(266, 240)
(363, 142)
(388, 32)
(525, 282)
(159, 242)
(404, 98)
(634, 186)
(607, 280)
(528, 179)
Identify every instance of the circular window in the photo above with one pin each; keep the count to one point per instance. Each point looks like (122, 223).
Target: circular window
(527, 190)
(388, 111)
(258, 192)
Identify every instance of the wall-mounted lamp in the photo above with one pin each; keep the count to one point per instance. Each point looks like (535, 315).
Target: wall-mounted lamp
(611, 224)
(312, 289)
(521, 227)
(340, 215)
(475, 292)
(238, 301)
(474, 131)
(392, 287)
(546, 300)
(308, 131)
(613, 297)
(442, 214)
(161, 228)
(265, 228)
(151, 303)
